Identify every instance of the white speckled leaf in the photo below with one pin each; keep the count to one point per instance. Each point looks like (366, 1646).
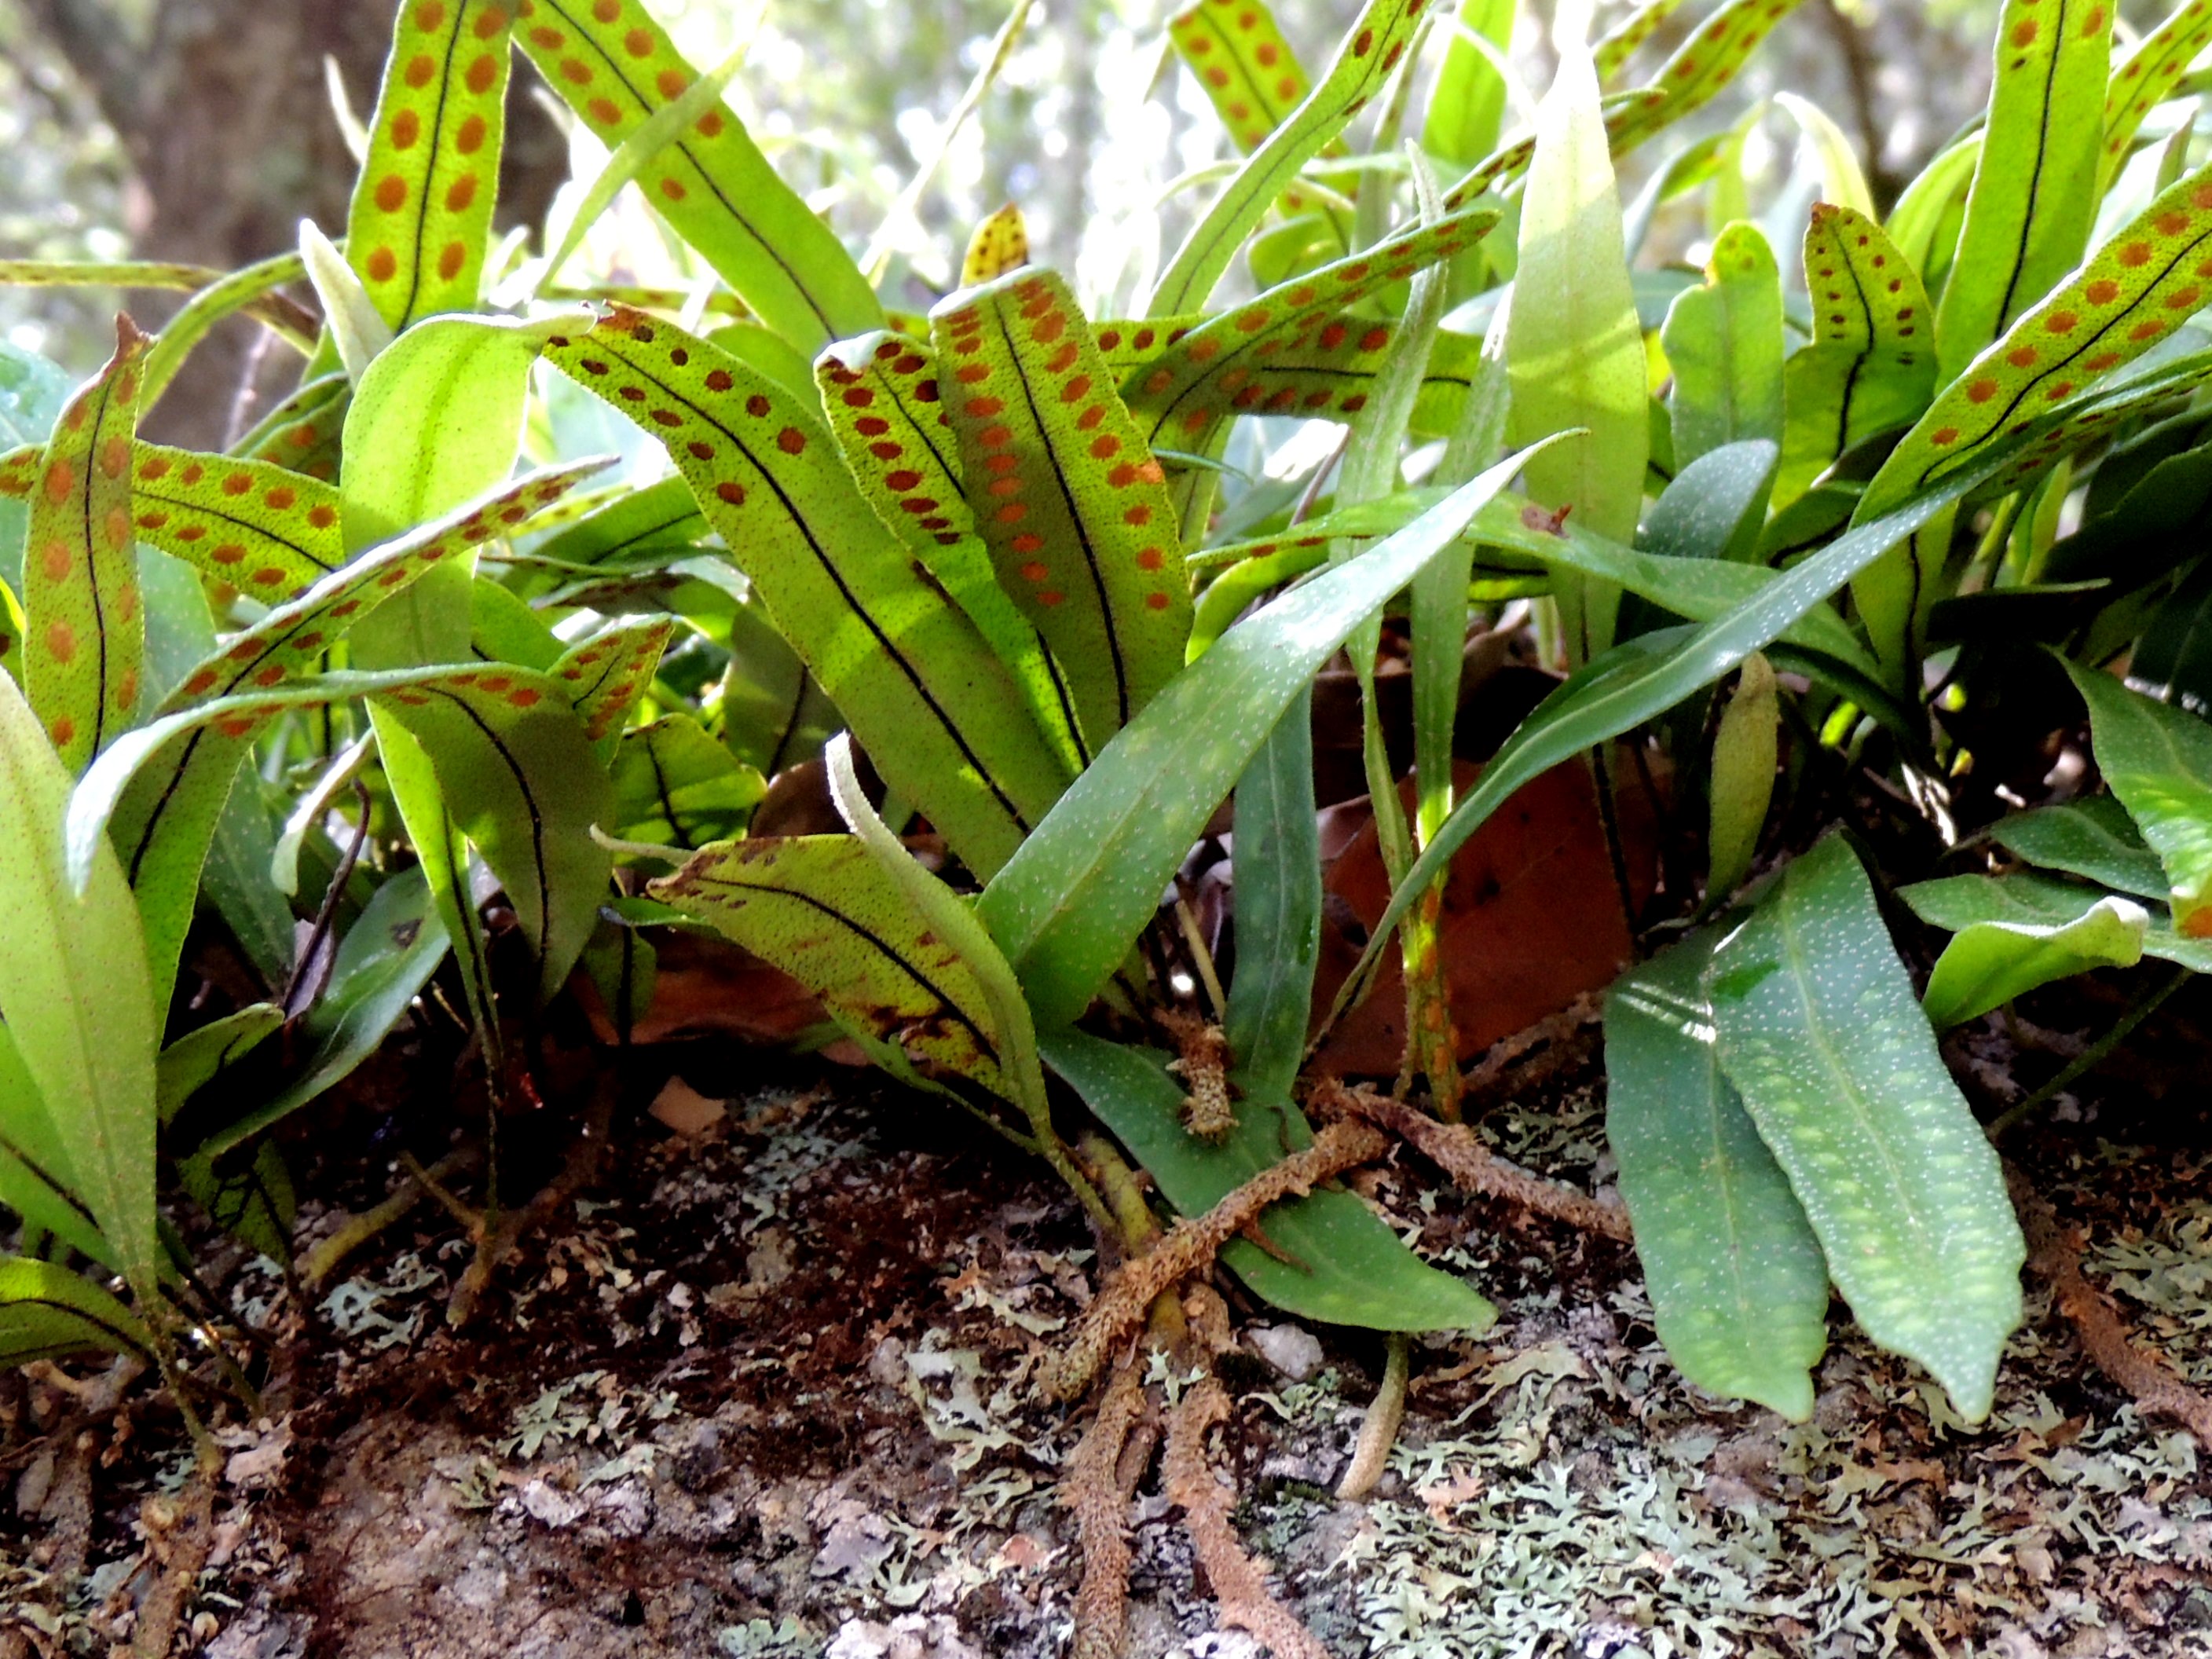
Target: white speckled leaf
(1738, 1285)
(1819, 1031)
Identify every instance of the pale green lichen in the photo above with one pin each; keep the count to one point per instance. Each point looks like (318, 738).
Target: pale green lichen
(1588, 1503)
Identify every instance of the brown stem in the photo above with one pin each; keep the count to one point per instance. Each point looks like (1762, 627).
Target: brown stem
(1460, 1154)
(1193, 1486)
(1190, 1247)
(2055, 1253)
(578, 1171)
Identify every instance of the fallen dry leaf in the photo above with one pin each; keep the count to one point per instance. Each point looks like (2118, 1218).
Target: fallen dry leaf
(684, 1110)
(1532, 915)
(705, 986)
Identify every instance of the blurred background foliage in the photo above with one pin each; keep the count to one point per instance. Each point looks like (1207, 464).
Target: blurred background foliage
(204, 129)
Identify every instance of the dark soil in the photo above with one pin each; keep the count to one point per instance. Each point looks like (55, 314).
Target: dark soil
(767, 1391)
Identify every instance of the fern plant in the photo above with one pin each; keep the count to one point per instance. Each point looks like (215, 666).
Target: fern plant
(1015, 551)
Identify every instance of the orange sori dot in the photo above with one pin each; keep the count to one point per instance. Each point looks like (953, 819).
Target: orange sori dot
(1091, 417)
(2022, 356)
(490, 21)
(237, 484)
(2134, 253)
(602, 111)
(1012, 513)
(2183, 298)
(199, 682)
(482, 72)
(63, 731)
(524, 695)
(673, 188)
(54, 560)
(1106, 446)
(550, 40)
(700, 452)
(1375, 339)
(1149, 559)
(638, 43)
(126, 601)
(575, 71)
(115, 456)
(672, 82)
(2101, 361)
(1035, 570)
(1004, 487)
(268, 675)
(383, 265)
(451, 258)
(606, 10)
(1062, 360)
(61, 478)
(460, 193)
(2170, 223)
(790, 441)
(1140, 516)
(228, 553)
(419, 69)
(734, 495)
(429, 16)
(1051, 596)
(757, 405)
(2060, 322)
(391, 193)
(61, 643)
(322, 516)
(711, 125)
(2023, 33)
(117, 527)
(2093, 23)
(156, 466)
(1980, 392)
(1943, 435)
(2102, 292)
(1156, 601)
(1159, 380)
(152, 520)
